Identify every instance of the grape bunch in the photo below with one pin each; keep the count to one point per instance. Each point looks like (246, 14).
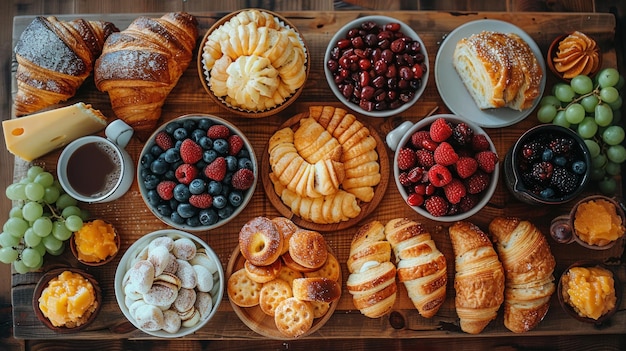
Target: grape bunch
(42, 219)
(591, 107)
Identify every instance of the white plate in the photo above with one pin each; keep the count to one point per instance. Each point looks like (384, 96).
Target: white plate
(452, 89)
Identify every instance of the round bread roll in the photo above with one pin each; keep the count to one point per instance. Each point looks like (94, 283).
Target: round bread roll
(262, 274)
(260, 241)
(286, 227)
(316, 289)
(293, 317)
(308, 248)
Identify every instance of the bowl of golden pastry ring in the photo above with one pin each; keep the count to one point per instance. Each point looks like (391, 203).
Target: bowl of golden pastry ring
(253, 62)
(81, 292)
(574, 54)
(590, 292)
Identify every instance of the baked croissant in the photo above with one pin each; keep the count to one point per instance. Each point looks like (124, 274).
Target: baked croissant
(479, 277)
(141, 65)
(421, 266)
(372, 279)
(528, 266)
(54, 58)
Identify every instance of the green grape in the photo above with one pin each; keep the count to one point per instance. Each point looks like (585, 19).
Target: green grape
(51, 194)
(64, 201)
(603, 115)
(550, 100)
(574, 113)
(41, 248)
(70, 210)
(51, 243)
(20, 267)
(31, 239)
(33, 171)
(31, 257)
(15, 226)
(608, 186)
(620, 82)
(617, 104)
(34, 191)
(60, 231)
(32, 210)
(587, 128)
(16, 211)
(546, 113)
(609, 94)
(616, 153)
(56, 252)
(613, 168)
(44, 178)
(560, 119)
(16, 191)
(581, 84)
(563, 92)
(42, 226)
(589, 103)
(8, 240)
(613, 135)
(73, 223)
(597, 174)
(598, 161)
(594, 148)
(84, 214)
(608, 77)
(8, 255)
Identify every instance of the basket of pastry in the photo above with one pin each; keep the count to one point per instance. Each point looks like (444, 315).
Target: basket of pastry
(284, 282)
(324, 169)
(253, 62)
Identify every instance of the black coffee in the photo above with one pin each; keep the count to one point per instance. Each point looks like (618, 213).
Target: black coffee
(93, 169)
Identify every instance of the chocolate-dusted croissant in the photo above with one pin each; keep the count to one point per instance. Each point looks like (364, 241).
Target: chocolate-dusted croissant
(54, 58)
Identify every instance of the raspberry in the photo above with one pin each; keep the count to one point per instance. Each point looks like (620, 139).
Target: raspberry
(406, 158)
(480, 143)
(415, 199)
(487, 161)
(242, 179)
(165, 189)
(462, 134)
(218, 131)
(164, 141)
(186, 173)
(201, 200)
(235, 144)
(455, 190)
(477, 183)
(418, 138)
(436, 206)
(445, 154)
(415, 174)
(466, 166)
(440, 130)
(190, 152)
(425, 189)
(216, 170)
(439, 175)
(425, 158)
(404, 179)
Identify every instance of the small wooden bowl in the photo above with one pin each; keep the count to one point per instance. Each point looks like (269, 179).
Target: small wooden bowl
(552, 51)
(99, 263)
(239, 111)
(43, 283)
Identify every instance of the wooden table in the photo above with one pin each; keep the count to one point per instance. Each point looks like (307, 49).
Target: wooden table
(133, 219)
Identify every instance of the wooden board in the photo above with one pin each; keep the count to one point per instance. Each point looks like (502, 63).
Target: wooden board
(134, 219)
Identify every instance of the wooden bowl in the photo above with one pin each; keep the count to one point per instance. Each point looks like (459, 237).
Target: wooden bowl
(43, 283)
(552, 51)
(110, 258)
(204, 75)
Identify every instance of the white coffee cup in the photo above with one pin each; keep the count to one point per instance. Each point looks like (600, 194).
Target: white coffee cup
(94, 169)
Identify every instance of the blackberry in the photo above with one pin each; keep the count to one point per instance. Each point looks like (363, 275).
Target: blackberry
(532, 151)
(564, 181)
(542, 171)
(462, 134)
(561, 146)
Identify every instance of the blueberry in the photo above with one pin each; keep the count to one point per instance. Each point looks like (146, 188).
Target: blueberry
(197, 186)
(193, 221)
(178, 144)
(228, 177)
(144, 171)
(180, 134)
(231, 163)
(181, 193)
(201, 164)
(547, 193)
(159, 166)
(189, 124)
(176, 218)
(172, 155)
(173, 203)
(560, 161)
(579, 167)
(156, 150)
(225, 212)
(235, 198)
(205, 142)
(547, 155)
(153, 197)
(151, 181)
(243, 153)
(219, 201)
(244, 162)
(170, 175)
(164, 210)
(221, 146)
(204, 123)
(186, 210)
(147, 159)
(214, 188)
(209, 156)
(172, 126)
(208, 217)
(197, 134)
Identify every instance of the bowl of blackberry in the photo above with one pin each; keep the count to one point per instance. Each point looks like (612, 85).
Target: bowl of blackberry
(197, 172)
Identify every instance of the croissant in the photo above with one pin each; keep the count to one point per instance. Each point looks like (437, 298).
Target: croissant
(479, 277)
(372, 279)
(141, 65)
(54, 58)
(528, 266)
(421, 266)
(314, 143)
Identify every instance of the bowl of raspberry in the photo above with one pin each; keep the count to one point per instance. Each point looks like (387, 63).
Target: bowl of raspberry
(197, 172)
(445, 167)
(376, 66)
(547, 165)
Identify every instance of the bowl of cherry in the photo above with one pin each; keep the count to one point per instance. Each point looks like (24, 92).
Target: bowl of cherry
(376, 66)
(197, 172)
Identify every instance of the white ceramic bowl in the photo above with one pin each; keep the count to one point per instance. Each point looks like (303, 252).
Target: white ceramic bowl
(381, 21)
(144, 166)
(131, 256)
(402, 135)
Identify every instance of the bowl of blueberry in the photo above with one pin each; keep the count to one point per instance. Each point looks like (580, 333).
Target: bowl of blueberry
(197, 172)
(548, 165)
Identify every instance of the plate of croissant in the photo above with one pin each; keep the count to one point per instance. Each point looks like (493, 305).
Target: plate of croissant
(324, 169)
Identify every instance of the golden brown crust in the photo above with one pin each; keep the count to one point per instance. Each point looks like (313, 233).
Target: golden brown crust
(374, 290)
(286, 227)
(294, 317)
(243, 291)
(262, 274)
(308, 248)
(368, 244)
(260, 242)
(316, 289)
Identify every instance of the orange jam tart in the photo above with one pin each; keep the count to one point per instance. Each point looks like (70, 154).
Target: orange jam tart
(596, 222)
(589, 290)
(95, 241)
(68, 300)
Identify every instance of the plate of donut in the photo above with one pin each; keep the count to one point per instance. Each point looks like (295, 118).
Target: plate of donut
(324, 169)
(283, 281)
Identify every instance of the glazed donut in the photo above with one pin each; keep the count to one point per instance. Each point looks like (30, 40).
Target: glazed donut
(260, 241)
(308, 248)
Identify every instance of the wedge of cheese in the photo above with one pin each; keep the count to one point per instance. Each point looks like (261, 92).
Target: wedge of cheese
(33, 136)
